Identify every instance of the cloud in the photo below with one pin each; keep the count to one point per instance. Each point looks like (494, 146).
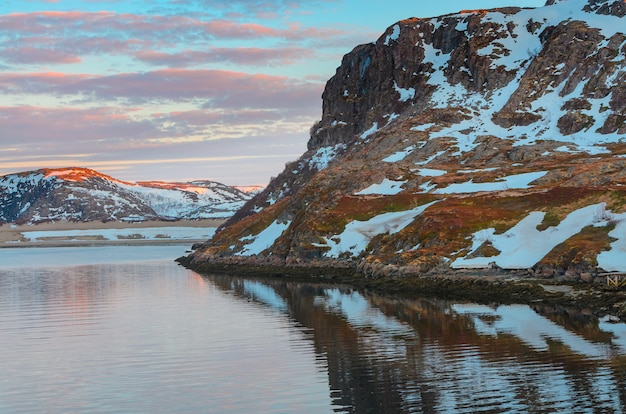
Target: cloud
(216, 88)
(268, 9)
(45, 38)
(237, 55)
(23, 126)
(30, 128)
(130, 91)
(30, 55)
(161, 28)
(232, 162)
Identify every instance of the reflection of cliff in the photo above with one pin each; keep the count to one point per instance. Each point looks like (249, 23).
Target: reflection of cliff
(356, 382)
(392, 355)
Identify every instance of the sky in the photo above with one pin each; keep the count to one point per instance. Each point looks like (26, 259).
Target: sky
(179, 90)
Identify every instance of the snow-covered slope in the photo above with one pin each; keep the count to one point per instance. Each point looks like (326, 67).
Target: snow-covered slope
(482, 138)
(80, 194)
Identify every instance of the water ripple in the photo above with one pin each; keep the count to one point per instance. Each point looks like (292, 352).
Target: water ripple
(154, 337)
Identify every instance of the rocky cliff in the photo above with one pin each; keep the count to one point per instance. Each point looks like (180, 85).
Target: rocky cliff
(81, 194)
(485, 138)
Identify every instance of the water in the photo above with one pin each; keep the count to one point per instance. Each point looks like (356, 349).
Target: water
(125, 329)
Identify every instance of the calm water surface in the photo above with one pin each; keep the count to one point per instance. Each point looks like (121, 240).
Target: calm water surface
(125, 329)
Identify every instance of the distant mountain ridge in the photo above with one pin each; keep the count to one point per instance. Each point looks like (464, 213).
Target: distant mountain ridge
(484, 138)
(82, 194)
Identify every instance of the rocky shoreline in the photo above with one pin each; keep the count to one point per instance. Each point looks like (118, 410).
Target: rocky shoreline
(487, 286)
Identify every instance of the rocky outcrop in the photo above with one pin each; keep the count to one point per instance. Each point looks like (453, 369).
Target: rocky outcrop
(446, 141)
(608, 7)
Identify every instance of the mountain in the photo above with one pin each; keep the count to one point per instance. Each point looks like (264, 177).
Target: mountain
(81, 194)
(485, 138)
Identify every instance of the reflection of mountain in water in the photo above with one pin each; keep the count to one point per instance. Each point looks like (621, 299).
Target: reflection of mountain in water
(426, 355)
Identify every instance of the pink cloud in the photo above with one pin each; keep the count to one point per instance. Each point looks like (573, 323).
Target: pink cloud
(25, 125)
(233, 30)
(30, 55)
(240, 55)
(217, 88)
(110, 138)
(204, 117)
(267, 114)
(65, 37)
(104, 128)
(164, 28)
(71, 50)
(37, 83)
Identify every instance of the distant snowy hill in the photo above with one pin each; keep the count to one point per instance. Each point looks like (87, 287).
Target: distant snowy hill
(484, 138)
(80, 194)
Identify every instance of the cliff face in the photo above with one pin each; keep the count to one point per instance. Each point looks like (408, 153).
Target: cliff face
(487, 137)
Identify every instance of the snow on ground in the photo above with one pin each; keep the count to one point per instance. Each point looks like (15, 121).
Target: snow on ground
(400, 155)
(614, 260)
(518, 181)
(324, 156)
(431, 172)
(477, 170)
(423, 127)
(429, 159)
(357, 234)
(172, 200)
(11, 183)
(386, 187)
(427, 186)
(394, 35)
(370, 131)
(405, 94)
(209, 203)
(264, 239)
(524, 245)
(390, 118)
(511, 53)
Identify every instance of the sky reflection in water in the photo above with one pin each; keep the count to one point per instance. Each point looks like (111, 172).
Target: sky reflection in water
(100, 329)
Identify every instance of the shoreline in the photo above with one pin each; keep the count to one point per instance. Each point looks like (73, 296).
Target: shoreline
(13, 236)
(97, 243)
(488, 286)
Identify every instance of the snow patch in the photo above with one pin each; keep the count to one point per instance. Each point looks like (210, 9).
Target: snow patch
(323, 156)
(400, 155)
(394, 35)
(422, 127)
(429, 159)
(391, 118)
(518, 181)
(431, 172)
(370, 131)
(524, 245)
(386, 187)
(357, 234)
(264, 239)
(613, 260)
(427, 187)
(405, 94)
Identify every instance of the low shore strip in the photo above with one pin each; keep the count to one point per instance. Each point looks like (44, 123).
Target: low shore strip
(485, 286)
(75, 234)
